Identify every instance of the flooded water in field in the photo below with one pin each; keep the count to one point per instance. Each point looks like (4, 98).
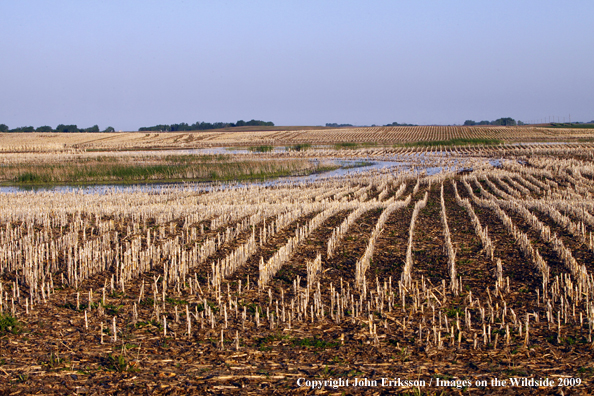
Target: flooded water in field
(347, 168)
(422, 162)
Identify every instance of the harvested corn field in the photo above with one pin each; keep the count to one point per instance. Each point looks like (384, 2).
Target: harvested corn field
(478, 270)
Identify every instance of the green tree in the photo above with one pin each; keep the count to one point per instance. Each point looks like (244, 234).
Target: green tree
(469, 122)
(109, 129)
(3, 128)
(66, 128)
(508, 121)
(94, 128)
(156, 128)
(44, 128)
(392, 124)
(23, 129)
(179, 127)
(259, 123)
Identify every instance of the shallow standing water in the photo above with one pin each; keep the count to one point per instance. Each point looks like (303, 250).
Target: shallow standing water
(348, 167)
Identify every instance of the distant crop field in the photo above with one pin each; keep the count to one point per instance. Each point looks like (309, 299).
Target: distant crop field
(35, 142)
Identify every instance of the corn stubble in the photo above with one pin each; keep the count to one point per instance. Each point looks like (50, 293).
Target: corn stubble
(181, 270)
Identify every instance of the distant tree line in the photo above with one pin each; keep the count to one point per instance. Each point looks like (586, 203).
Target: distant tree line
(507, 121)
(335, 125)
(397, 124)
(59, 128)
(200, 126)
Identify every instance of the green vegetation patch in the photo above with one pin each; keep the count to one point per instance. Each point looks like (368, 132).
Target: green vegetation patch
(314, 342)
(29, 177)
(117, 363)
(112, 309)
(9, 325)
(452, 312)
(174, 301)
(261, 149)
(299, 147)
(353, 146)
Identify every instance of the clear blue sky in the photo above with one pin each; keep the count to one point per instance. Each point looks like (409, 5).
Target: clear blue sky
(139, 63)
